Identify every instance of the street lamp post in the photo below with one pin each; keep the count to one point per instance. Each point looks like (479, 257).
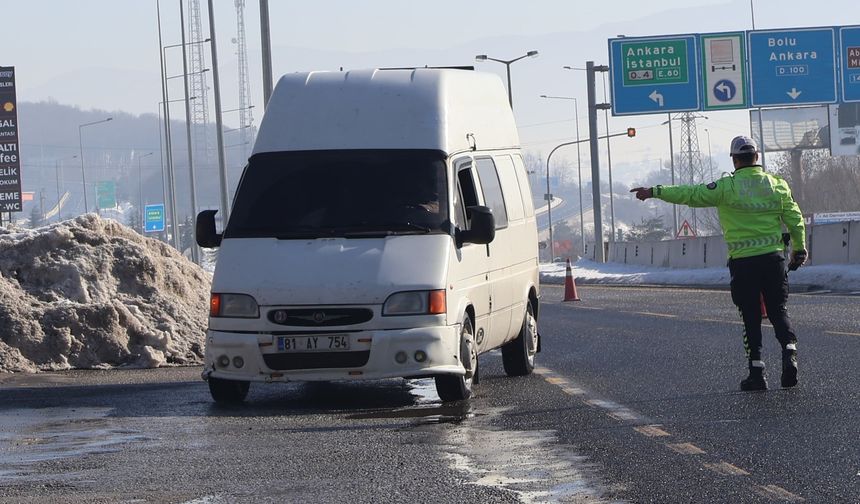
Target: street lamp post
(81, 154)
(507, 63)
(594, 174)
(57, 165)
(140, 186)
(174, 223)
(578, 167)
(191, 177)
(609, 161)
(672, 168)
(266, 46)
(605, 106)
(185, 75)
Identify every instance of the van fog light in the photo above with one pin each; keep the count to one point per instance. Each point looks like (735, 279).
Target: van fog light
(238, 362)
(420, 356)
(223, 361)
(400, 357)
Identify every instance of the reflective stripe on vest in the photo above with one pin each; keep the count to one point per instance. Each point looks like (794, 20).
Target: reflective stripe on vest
(754, 242)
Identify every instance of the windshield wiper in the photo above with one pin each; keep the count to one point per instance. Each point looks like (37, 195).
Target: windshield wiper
(388, 229)
(304, 232)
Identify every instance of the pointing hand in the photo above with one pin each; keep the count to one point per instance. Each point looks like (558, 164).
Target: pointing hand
(643, 193)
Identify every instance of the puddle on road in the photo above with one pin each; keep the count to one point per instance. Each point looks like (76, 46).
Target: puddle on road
(530, 464)
(30, 436)
(428, 408)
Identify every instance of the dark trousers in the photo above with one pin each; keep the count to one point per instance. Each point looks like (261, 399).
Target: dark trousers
(751, 278)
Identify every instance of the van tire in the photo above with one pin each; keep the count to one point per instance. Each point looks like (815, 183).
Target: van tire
(518, 356)
(228, 391)
(455, 387)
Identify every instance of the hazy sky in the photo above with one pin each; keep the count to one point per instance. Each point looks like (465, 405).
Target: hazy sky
(103, 54)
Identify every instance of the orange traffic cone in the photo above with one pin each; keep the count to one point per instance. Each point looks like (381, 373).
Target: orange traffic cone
(763, 308)
(570, 286)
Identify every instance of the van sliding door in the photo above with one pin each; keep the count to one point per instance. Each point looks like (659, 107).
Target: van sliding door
(469, 266)
(500, 251)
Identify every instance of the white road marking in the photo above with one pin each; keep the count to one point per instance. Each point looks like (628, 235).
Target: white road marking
(774, 492)
(664, 315)
(726, 469)
(841, 333)
(651, 431)
(686, 448)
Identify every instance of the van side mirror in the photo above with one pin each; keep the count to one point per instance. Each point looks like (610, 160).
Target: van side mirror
(483, 228)
(204, 231)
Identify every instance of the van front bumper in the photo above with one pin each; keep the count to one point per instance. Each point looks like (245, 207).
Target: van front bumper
(372, 355)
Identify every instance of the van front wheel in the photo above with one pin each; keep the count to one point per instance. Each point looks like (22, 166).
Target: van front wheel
(457, 388)
(228, 391)
(518, 356)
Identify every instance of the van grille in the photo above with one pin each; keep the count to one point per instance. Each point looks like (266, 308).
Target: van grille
(316, 360)
(320, 317)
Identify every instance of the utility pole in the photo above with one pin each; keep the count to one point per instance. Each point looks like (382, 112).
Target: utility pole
(219, 130)
(266, 42)
(194, 255)
(593, 133)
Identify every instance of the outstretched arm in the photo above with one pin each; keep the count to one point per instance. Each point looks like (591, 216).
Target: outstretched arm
(703, 195)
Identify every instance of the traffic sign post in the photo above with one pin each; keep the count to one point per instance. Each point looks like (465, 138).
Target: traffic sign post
(654, 75)
(724, 83)
(792, 67)
(153, 218)
(686, 231)
(849, 44)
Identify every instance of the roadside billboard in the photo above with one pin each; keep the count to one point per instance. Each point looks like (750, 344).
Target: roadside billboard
(10, 159)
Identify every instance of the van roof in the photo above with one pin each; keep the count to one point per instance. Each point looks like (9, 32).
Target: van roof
(414, 108)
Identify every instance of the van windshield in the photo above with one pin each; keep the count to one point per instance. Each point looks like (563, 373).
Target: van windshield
(345, 193)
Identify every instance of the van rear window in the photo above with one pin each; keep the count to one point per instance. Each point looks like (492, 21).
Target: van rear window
(347, 193)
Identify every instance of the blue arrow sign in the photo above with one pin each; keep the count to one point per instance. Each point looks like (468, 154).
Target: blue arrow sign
(792, 67)
(153, 218)
(652, 75)
(725, 90)
(849, 44)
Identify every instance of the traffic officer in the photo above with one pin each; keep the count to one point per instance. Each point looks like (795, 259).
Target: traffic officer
(753, 206)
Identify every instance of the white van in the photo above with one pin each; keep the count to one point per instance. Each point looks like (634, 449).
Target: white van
(384, 227)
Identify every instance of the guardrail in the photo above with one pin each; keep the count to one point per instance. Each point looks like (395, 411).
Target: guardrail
(826, 243)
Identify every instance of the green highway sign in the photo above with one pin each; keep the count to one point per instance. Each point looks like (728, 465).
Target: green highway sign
(106, 194)
(654, 74)
(658, 61)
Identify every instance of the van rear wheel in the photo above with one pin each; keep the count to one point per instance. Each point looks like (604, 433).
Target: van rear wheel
(457, 388)
(518, 356)
(228, 391)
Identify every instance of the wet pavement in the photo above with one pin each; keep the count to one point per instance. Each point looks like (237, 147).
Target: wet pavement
(635, 400)
(155, 436)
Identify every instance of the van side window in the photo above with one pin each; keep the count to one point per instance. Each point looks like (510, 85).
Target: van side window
(465, 195)
(492, 190)
(525, 186)
(510, 187)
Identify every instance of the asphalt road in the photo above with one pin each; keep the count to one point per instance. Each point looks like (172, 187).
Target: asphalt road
(635, 400)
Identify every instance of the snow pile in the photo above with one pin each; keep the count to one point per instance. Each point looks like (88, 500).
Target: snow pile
(92, 293)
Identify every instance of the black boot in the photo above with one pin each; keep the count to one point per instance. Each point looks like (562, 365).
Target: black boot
(755, 381)
(789, 366)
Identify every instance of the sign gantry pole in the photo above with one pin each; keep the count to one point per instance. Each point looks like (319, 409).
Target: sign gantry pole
(599, 255)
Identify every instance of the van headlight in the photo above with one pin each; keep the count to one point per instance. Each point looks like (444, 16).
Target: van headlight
(416, 303)
(233, 305)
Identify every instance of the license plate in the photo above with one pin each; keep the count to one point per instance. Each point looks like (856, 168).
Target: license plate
(324, 343)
